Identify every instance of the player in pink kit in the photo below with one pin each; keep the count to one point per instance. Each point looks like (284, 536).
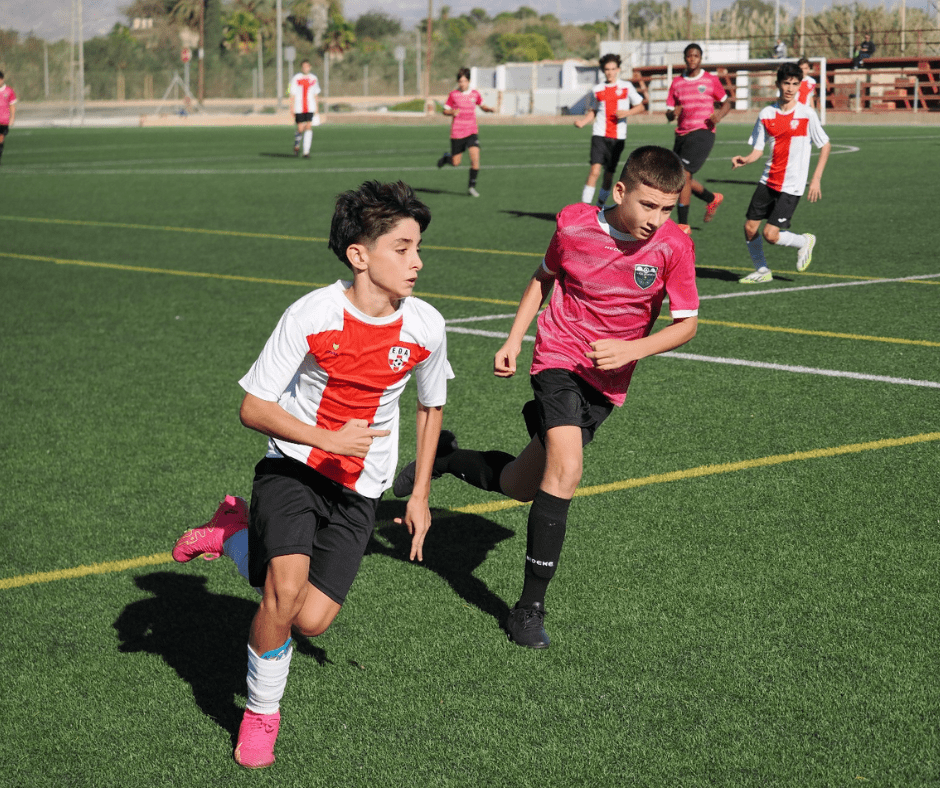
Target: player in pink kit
(462, 106)
(608, 273)
(7, 110)
(325, 391)
(792, 128)
(612, 102)
(304, 89)
(692, 97)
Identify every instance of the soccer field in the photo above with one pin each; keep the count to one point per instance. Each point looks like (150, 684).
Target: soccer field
(748, 591)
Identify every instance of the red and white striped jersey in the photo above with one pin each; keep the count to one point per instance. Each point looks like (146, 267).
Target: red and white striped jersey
(303, 89)
(807, 86)
(328, 363)
(792, 135)
(696, 96)
(609, 285)
(606, 100)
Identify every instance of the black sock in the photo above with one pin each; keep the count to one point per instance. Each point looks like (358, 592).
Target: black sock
(473, 178)
(705, 195)
(1, 150)
(682, 214)
(545, 535)
(479, 468)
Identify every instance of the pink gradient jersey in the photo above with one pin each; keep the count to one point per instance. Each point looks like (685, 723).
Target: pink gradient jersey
(609, 285)
(7, 98)
(464, 122)
(696, 96)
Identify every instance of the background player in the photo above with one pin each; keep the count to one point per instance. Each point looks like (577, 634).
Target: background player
(325, 391)
(612, 102)
(304, 89)
(607, 273)
(692, 97)
(7, 110)
(793, 129)
(807, 94)
(461, 106)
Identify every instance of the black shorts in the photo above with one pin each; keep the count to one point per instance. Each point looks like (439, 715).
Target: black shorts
(303, 117)
(460, 145)
(606, 152)
(562, 399)
(776, 207)
(295, 510)
(694, 148)
(4, 130)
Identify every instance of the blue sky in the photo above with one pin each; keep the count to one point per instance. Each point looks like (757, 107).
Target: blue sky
(51, 19)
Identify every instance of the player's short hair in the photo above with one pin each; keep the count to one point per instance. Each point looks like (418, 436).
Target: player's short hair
(658, 168)
(691, 47)
(1, 75)
(803, 61)
(610, 58)
(788, 71)
(305, 60)
(363, 215)
(464, 72)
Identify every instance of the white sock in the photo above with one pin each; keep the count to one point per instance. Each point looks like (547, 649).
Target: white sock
(308, 138)
(587, 194)
(602, 196)
(267, 679)
(756, 249)
(791, 239)
(236, 548)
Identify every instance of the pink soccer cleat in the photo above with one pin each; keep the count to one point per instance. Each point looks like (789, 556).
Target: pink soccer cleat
(230, 518)
(712, 207)
(256, 737)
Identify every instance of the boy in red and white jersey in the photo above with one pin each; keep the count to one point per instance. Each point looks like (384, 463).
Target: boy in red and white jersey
(612, 102)
(461, 106)
(807, 94)
(792, 129)
(692, 97)
(608, 273)
(325, 391)
(7, 110)
(304, 89)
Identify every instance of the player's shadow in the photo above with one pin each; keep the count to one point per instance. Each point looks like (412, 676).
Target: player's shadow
(545, 217)
(279, 155)
(201, 635)
(421, 190)
(453, 549)
(731, 181)
(716, 273)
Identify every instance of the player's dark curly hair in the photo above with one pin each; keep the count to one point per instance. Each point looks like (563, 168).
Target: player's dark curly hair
(463, 72)
(656, 167)
(690, 47)
(364, 214)
(610, 58)
(789, 71)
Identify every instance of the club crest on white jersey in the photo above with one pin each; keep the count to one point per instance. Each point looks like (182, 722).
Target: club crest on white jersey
(398, 357)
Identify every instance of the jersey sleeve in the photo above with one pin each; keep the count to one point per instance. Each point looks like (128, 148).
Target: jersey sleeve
(816, 132)
(758, 140)
(718, 90)
(634, 95)
(282, 355)
(671, 96)
(680, 285)
(450, 103)
(477, 97)
(432, 374)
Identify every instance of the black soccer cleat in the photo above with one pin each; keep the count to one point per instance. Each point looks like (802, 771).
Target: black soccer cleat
(405, 481)
(525, 626)
(445, 159)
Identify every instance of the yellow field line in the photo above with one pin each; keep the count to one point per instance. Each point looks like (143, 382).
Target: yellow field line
(495, 506)
(830, 334)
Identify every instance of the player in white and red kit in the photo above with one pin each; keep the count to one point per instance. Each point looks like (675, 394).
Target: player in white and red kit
(304, 89)
(461, 106)
(608, 273)
(792, 128)
(692, 98)
(7, 110)
(612, 102)
(325, 391)
(807, 94)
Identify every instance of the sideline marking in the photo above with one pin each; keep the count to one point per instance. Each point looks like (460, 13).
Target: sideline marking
(778, 290)
(495, 506)
(828, 334)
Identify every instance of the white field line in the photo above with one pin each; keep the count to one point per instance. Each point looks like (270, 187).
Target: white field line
(781, 290)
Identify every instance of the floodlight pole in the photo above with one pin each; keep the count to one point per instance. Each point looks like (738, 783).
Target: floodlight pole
(776, 21)
(427, 68)
(202, 44)
(280, 58)
(81, 64)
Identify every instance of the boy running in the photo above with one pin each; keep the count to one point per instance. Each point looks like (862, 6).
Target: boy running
(807, 94)
(7, 110)
(612, 102)
(608, 273)
(325, 391)
(692, 97)
(793, 128)
(462, 106)
(304, 89)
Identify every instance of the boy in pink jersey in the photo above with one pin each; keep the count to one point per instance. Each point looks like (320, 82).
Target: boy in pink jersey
(325, 391)
(692, 97)
(462, 106)
(7, 110)
(608, 273)
(304, 89)
(793, 128)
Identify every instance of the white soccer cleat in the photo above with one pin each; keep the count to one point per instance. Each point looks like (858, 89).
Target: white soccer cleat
(805, 255)
(756, 278)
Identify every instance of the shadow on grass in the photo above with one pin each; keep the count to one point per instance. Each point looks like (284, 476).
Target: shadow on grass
(201, 635)
(716, 273)
(732, 182)
(545, 217)
(454, 547)
(420, 190)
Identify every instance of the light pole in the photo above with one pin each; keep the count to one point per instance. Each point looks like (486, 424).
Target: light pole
(280, 58)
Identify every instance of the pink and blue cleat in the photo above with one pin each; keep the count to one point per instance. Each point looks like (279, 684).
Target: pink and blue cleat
(207, 540)
(256, 737)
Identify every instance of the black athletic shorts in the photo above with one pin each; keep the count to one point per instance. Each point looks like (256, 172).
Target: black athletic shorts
(303, 117)
(295, 510)
(4, 130)
(694, 148)
(606, 152)
(460, 145)
(562, 399)
(776, 207)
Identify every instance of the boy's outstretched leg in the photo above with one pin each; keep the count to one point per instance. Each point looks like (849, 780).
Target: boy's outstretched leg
(208, 540)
